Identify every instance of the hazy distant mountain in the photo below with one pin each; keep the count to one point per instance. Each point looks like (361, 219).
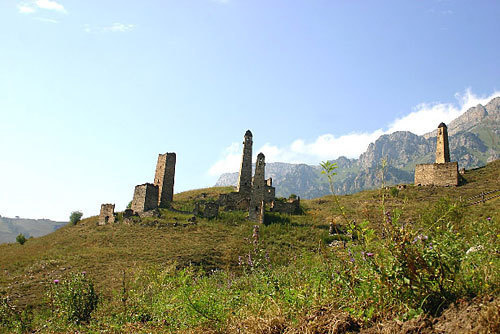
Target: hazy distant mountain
(10, 228)
(474, 141)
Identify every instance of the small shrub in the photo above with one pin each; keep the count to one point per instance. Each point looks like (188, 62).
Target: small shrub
(75, 299)
(394, 192)
(21, 239)
(75, 217)
(292, 196)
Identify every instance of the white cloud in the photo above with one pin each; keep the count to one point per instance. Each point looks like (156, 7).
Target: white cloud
(32, 6)
(229, 162)
(50, 5)
(115, 27)
(26, 8)
(424, 119)
(47, 20)
(119, 27)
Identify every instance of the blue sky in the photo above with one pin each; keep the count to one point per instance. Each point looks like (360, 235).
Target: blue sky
(92, 91)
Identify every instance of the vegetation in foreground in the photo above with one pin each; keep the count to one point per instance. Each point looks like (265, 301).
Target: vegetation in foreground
(394, 254)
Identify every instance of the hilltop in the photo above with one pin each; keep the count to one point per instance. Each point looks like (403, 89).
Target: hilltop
(474, 141)
(118, 255)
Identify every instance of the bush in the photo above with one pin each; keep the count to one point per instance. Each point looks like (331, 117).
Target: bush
(75, 217)
(21, 239)
(394, 192)
(75, 299)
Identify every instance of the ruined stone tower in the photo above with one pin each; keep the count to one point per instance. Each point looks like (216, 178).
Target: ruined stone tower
(245, 180)
(442, 148)
(164, 178)
(145, 197)
(107, 214)
(258, 188)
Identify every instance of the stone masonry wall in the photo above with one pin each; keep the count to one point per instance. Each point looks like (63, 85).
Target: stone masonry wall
(258, 188)
(290, 207)
(442, 147)
(442, 174)
(245, 178)
(107, 214)
(164, 178)
(145, 197)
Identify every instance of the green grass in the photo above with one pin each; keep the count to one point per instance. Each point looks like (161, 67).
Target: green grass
(163, 274)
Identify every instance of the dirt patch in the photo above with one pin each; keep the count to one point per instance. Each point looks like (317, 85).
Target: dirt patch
(326, 320)
(480, 315)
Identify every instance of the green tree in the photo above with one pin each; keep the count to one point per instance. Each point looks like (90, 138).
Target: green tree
(21, 239)
(75, 217)
(329, 171)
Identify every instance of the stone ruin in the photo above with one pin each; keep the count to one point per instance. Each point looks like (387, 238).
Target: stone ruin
(160, 194)
(145, 197)
(164, 178)
(254, 193)
(107, 214)
(442, 172)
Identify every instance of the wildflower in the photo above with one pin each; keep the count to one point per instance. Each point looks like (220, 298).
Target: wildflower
(488, 219)
(250, 262)
(369, 254)
(84, 273)
(351, 258)
(56, 281)
(240, 260)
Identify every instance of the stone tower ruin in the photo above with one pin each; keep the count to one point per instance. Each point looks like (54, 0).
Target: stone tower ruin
(245, 179)
(258, 187)
(145, 197)
(442, 148)
(164, 178)
(442, 172)
(107, 214)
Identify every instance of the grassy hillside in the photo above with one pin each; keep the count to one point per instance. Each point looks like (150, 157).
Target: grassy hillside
(167, 274)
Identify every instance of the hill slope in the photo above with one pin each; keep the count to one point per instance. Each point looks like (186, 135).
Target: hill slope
(105, 251)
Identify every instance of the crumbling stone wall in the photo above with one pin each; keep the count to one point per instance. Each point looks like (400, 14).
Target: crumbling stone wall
(270, 191)
(261, 191)
(442, 147)
(245, 178)
(290, 206)
(107, 214)
(164, 178)
(445, 174)
(145, 197)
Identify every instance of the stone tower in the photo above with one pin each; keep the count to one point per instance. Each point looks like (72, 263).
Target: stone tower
(442, 148)
(258, 195)
(245, 180)
(164, 178)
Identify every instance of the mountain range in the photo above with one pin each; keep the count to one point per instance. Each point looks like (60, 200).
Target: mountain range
(473, 137)
(10, 228)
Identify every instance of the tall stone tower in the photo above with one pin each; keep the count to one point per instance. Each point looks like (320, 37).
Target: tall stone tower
(442, 148)
(164, 178)
(258, 187)
(245, 180)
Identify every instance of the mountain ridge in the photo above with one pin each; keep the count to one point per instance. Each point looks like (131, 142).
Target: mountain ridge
(473, 140)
